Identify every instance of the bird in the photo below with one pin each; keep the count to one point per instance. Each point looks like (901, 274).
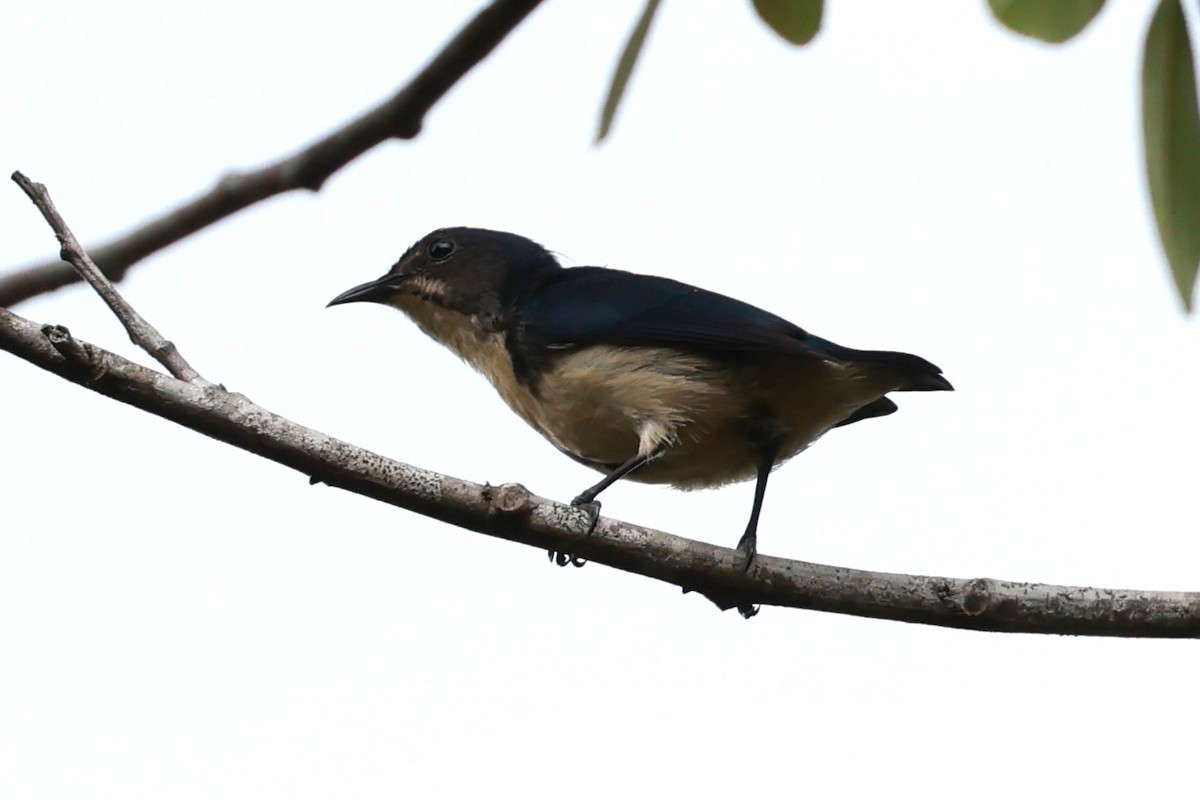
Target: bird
(637, 376)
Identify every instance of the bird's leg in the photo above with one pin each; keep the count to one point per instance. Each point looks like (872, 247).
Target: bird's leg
(748, 544)
(586, 500)
(588, 496)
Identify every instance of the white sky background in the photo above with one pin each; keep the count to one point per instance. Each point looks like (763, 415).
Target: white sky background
(181, 619)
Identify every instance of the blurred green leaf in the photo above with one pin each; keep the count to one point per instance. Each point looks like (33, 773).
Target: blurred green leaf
(1052, 21)
(795, 20)
(629, 57)
(1171, 124)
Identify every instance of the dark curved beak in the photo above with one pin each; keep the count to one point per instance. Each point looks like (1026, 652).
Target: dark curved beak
(376, 291)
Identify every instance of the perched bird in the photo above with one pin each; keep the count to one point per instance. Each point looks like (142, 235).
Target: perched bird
(634, 375)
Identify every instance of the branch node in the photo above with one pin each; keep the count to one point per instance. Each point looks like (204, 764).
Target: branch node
(510, 500)
(977, 597)
(79, 354)
(408, 129)
(165, 352)
(141, 332)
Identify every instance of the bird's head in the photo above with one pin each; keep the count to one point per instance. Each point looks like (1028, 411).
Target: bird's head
(477, 273)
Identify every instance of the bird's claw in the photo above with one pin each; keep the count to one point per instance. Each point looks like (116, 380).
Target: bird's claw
(749, 548)
(591, 508)
(562, 559)
(725, 602)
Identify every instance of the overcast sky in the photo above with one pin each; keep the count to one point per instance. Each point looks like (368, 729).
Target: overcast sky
(180, 619)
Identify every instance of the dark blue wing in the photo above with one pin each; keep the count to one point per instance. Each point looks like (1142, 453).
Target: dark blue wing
(594, 305)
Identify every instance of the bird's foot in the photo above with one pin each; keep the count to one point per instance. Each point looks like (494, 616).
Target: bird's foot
(562, 559)
(726, 602)
(591, 507)
(748, 544)
(586, 503)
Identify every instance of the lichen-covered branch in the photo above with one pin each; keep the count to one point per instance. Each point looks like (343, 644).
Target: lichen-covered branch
(510, 512)
(141, 332)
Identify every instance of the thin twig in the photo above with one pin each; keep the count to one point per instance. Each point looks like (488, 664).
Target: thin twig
(510, 512)
(141, 332)
(399, 117)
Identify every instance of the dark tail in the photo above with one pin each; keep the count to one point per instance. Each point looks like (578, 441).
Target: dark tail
(880, 408)
(917, 374)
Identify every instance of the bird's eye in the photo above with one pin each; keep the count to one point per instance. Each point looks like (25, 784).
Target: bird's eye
(440, 249)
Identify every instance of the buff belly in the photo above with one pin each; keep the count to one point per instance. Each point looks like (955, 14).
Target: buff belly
(707, 419)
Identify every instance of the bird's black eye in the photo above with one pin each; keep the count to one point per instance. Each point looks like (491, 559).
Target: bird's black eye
(440, 249)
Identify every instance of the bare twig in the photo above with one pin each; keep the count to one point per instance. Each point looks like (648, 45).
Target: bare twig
(510, 512)
(399, 117)
(141, 332)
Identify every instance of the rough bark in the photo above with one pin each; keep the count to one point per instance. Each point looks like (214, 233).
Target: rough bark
(510, 512)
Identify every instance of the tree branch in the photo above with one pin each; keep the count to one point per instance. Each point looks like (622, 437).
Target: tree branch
(511, 512)
(141, 332)
(399, 117)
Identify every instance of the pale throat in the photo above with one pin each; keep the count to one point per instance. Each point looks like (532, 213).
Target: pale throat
(482, 349)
